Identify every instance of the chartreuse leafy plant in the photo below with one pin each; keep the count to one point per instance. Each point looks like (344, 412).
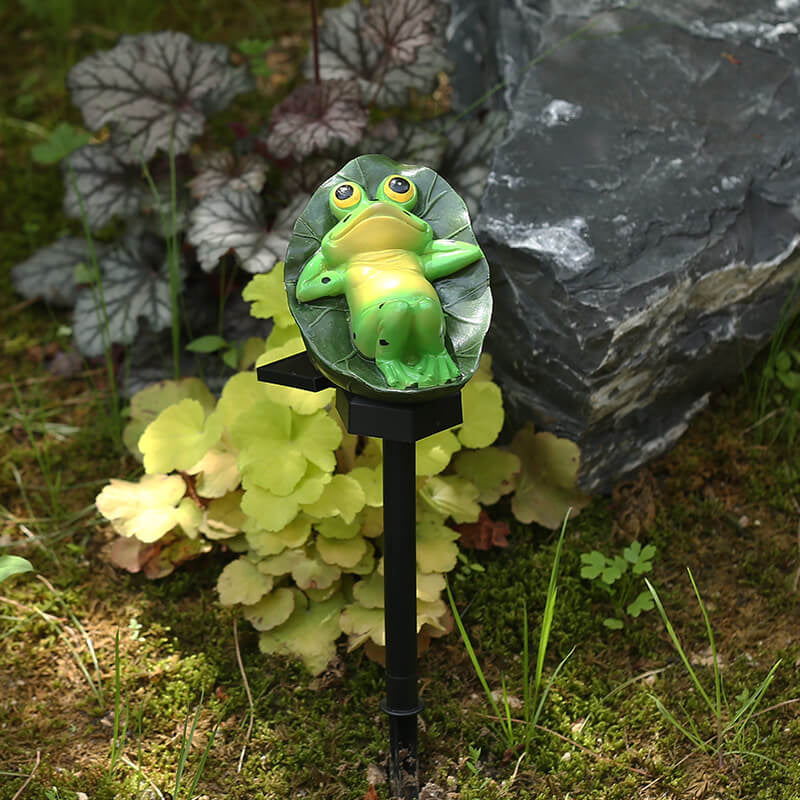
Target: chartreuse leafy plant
(269, 472)
(620, 576)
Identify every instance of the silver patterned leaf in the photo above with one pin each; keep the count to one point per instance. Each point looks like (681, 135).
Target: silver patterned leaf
(400, 27)
(152, 88)
(409, 142)
(469, 151)
(314, 116)
(49, 272)
(106, 185)
(218, 170)
(135, 286)
(349, 50)
(234, 220)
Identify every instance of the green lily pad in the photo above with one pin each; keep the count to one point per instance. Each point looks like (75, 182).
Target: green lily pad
(465, 296)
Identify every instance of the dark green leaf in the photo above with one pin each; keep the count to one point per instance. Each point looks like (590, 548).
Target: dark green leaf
(231, 357)
(63, 139)
(783, 361)
(791, 380)
(206, 344)
(613, 623)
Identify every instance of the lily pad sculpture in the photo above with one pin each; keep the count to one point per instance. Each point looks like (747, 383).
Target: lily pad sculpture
(387, 283)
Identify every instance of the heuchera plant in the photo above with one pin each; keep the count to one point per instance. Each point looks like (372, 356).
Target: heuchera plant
(269, 472)
(148, 99)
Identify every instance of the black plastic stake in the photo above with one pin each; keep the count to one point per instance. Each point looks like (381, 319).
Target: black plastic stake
(400, 425)
(400, 604)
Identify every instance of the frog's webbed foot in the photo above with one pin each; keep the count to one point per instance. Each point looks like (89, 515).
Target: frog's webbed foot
(436, 369)
(398, 374)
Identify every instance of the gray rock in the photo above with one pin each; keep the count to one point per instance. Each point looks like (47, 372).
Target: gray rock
(641, 212)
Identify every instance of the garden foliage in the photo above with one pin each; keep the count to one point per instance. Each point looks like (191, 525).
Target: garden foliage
(268, 472)
(147, 101)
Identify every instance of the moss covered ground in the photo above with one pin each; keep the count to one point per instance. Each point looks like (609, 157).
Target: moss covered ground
(722, 503)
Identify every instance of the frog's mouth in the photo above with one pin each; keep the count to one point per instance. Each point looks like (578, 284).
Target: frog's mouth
(383, 218)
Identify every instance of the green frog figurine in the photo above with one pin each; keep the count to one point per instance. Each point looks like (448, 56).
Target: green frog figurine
(383, 258)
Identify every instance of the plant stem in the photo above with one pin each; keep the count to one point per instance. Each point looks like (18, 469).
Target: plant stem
(315, 40)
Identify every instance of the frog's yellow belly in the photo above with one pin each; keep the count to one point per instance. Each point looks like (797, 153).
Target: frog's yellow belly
(384, 275)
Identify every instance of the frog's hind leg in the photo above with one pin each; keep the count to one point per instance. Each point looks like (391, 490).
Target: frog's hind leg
(435, 366)
(394, 328)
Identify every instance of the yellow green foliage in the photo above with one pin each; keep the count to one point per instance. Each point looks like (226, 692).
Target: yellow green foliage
(270, 472)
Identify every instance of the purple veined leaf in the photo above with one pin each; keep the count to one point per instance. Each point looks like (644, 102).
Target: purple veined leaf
(304, 176)
(217, 170)
(315, 115)
(50, 272)
(107, 186)
(153, 88)
(470, 144)
(400, 27)
(135, 286)
(348, 52)
(410, 143)
(233, 220)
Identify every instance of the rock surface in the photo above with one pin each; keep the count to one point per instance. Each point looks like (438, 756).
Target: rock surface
(642, 211)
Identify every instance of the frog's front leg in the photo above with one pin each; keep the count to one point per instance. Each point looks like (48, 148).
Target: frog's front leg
(316, 280)
(445, 256)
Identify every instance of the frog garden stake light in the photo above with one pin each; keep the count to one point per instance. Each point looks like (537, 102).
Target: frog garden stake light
(391, 294)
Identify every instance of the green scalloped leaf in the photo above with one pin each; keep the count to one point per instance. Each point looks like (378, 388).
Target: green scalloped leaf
(337, 528)
(240, 393)
(271, 610)
(223, 517)
(342, 497)
(344, 553)
(309, 634)
(179, 437)
(242, 582)
(434, 452)
(307, 569)
(361, 623)
(272, 512)
(547, 482)
(281, 343)
(465, 295)
(267, 297)
(436, 547)
(148, 403)
(299, 400)
(218, 470)
(371, 481)
(270, 543)
(369, 591)
(451, 496)
(483, 414)
(430, 586)
(146, 510)
(491, 469)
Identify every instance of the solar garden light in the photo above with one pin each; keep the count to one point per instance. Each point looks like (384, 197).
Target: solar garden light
(391, 294)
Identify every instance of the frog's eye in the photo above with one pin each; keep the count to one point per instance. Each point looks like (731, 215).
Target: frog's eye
(399, 190)
(345, 196)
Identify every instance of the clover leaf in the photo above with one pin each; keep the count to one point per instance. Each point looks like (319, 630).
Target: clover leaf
(60, 142)
(640, 558)
(614, 569)
(644, 602)
(593, 564)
